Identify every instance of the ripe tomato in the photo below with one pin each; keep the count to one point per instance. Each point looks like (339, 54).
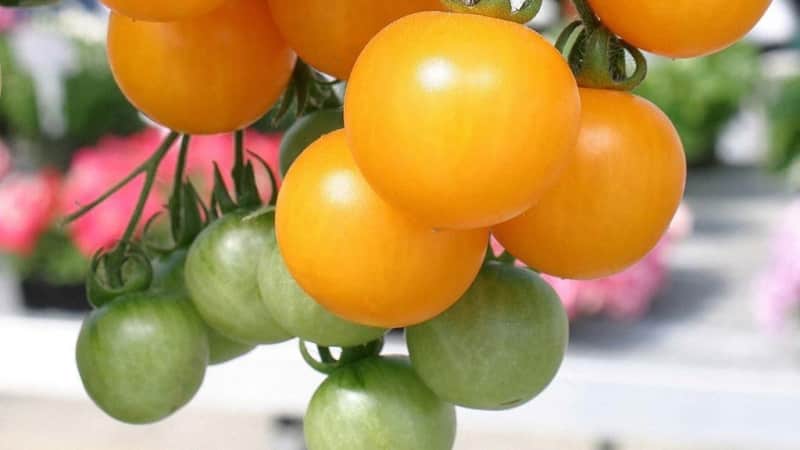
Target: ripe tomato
(305, 131)
(330, 35)
(162, 11)
(499, 346)
(357, 256)
(169, 278)
(221, 278)
(378, 403)
(615, 199)
(213, 73)
(298, 313)
(142, 356)
(459, 119)
(682, 28)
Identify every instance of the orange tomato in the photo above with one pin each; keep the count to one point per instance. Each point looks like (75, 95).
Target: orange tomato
(330, 35)
(615, 199)
(162, 11)
(209, 74)
(357, 256)
(461, 120)
(680, 28)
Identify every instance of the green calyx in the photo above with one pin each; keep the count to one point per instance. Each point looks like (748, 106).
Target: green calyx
(308, 91)
(597, 56)
(134, 273)
(499, 9)
(327, 364)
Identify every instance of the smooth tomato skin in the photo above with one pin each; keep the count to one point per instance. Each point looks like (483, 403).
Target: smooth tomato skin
(330, 35)
(461, 120)
(142, 356)
(169, 277)
(305, 131)
(221, 275)
(162, 11)
(298, 313)
(213, 73)
(499, 346)
(682, 28)
(357, 256)
(378, 403)
(616, 198)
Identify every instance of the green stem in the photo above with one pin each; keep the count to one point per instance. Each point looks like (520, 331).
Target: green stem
(586, 13)
(181, 166)
(239, 149)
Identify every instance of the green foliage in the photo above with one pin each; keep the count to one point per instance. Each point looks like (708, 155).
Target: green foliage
(784, 119)
(55, 260)
(18, 100)
(701, 95)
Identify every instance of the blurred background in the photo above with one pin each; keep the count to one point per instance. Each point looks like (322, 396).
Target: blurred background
(695, 347)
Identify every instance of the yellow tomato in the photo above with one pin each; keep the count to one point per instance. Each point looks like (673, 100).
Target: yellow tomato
(162, 11)
(461, 120)
(209, 74)
(330, 35)
(357, 256)
(615, 199)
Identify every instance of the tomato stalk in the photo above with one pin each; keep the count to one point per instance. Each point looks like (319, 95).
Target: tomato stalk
(597, 56)
(327, 364)
(499, 9)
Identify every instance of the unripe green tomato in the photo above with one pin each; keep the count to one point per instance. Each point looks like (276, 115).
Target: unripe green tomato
(305, 131)
(221, 275)
(378, 403)
(499, 346)
(142, 356)
(169, 276)
(298, 313)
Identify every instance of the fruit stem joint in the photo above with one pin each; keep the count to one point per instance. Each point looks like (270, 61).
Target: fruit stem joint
(500, 9)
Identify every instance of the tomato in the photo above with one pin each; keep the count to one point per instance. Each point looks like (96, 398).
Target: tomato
(614, 201)
(298, 313)
(221, 277)
(499, 346)
(169, 277)
(378, 403)
(142, 356)
(162, 11)
(213, 73)
(357, 256)
(329, 36)
(682, 28)
(305, 131)
(461, 120)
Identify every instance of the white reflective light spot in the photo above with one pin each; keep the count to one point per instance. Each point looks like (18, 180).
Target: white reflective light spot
(435, 74)
(339, 187)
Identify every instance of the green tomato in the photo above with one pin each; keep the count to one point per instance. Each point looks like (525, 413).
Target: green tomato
(378, 403)
(221, 271)
(298, 313)
(499, 346)
(169, 276)
(142, 356)
(305, 131)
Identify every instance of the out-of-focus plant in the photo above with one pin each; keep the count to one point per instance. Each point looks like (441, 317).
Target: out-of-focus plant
(626, 295)
(779, 284)
(701, 95)
(783, 109)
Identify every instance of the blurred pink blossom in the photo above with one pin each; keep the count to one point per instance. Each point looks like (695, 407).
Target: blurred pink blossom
(7, 18)
(95, 169)
(626, 295)
(778, 286)
(27, 203)
(5, 160)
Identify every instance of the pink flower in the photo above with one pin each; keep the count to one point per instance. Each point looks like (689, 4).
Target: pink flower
(778, 286)
(92, 172)
(7, 18)
(26, 208)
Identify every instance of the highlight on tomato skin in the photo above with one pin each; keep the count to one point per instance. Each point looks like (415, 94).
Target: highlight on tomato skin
(330, 36)
(682, 28)
(163, 11)
(615, 199)
(456, 131)
(335, 233)
(214, 73)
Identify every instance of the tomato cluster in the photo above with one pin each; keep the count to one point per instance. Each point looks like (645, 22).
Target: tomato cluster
(455, 126)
